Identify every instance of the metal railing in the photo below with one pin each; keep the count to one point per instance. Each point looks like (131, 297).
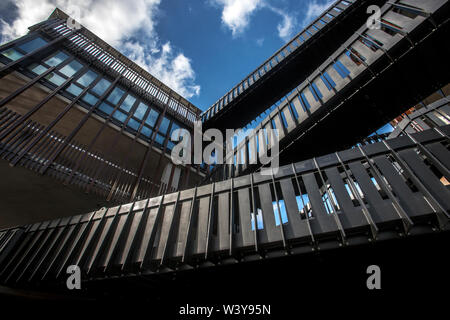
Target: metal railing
(380, 191)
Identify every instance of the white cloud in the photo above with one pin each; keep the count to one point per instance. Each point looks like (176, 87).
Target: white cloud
(314, 9)
(286, 28)
(236, 16)
(119, 23)
(260, 42)
(236, 13)
(174, 70)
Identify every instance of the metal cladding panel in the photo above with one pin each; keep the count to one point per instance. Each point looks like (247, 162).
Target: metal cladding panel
(432, 183)
(413, 203)
(183, 226)
(322, 222)
(381, 210)
(202, 225)
(297, 228)
(245, 236)
(354, 217)
(270, 232)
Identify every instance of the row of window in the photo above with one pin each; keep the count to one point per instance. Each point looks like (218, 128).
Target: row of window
(306, 34)
(131, 111)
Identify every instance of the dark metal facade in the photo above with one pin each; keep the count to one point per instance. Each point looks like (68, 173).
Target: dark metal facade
(385, 190)
(349, 81)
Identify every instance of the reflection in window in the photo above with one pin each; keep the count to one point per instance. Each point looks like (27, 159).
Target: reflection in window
(152, 117)
(87, 78)
(140, 111)
(71, 68)
(172, 129)
(164, 125)
(37, 68)
(170, 145)
(120, 116)
(146, 131)
(101, 87)
(56, 59)
(33, 44)
(106, 108)
(115, 95)
(74, 89)
(12, 54)
(128, 103)
(89, 98)
(133, 124)
(55, 79)
(159, 139)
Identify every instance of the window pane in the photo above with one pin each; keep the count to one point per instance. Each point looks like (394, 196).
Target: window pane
(146, 131)
(74, 89)
(56, 59)
(101, 87)
(173, 128)
(152, 117)
(120, 116)
(128, 103)
(54, 78)
(71, 68)
(87, 78)
(133, 124)
(33, 44)
(12, 54)
(140, 111)
(89, 98)
(164, 125)
(170, 145)
(115, 95)
(159, 139)
(106, 108)
(37, 68)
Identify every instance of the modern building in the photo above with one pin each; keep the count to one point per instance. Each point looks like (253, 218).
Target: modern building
(74, 109)
(88, 120)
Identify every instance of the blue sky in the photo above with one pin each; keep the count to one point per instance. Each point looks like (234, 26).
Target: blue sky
(200, 48)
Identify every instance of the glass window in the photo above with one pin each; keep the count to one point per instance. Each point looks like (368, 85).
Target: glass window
(101, 87)
(56, 59)
(106, 108)
(170, 145)
(133, 124)
(120, 116)
(74, 89)
(71, 68)
(89, 98)
(12, 54)
(164, 125)
(128, 103)
(55, 79)
(140, 111)
(115, 95)
(146, 131)
(159, 139)
(37, 68)
(152, 117)
(87, 78)
(173, 128)
(33, 44)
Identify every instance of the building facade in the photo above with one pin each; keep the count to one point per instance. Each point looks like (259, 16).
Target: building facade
(107, 125)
